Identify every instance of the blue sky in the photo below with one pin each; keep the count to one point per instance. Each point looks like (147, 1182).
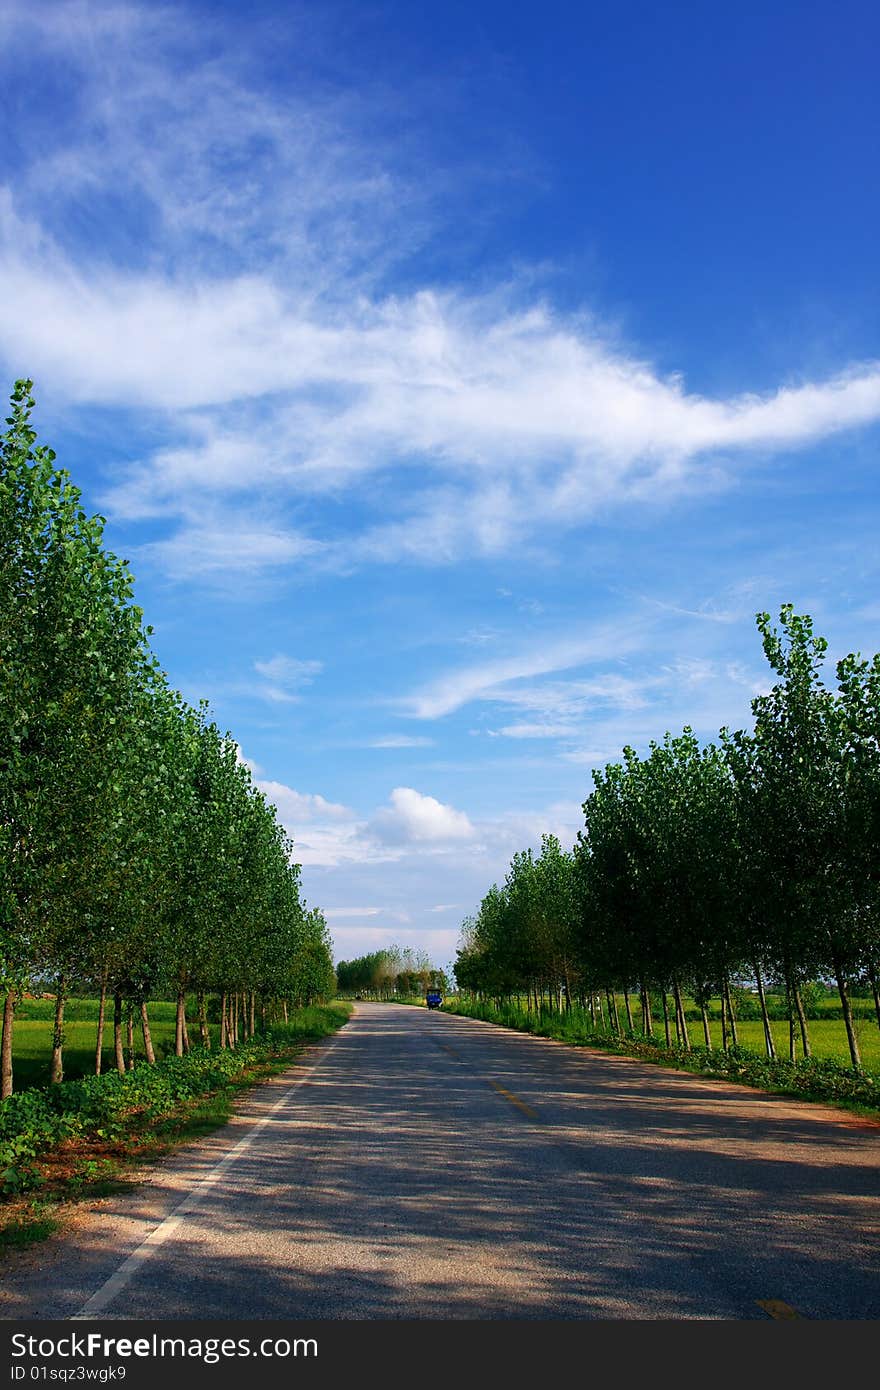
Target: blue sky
(459, 379)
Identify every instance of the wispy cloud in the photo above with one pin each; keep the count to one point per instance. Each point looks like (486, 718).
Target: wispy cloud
(243, 304)
(284, 677)
(231, 548)
(517, 419)
(332, 913)
(494, 679)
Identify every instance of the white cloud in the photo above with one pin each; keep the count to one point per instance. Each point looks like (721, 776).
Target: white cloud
(413, 828)
(332, 913)
(531, 418)
(283, 677)
(288, 670)
(492, 680)
(247, 312)
(296, 807)
(254, 768)
(413, 818)
(575, 699)
(227, 549)
(331, 846)
(440, 943)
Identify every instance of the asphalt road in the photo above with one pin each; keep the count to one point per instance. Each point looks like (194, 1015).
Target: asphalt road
(420, 1165)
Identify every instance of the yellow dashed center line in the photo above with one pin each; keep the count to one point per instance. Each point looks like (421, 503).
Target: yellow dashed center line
(521, 1105)
(775, 1308)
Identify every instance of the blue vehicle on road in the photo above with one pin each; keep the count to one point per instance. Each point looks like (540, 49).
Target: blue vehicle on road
(433, 998)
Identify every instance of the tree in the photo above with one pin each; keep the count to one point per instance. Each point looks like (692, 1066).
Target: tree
(798, 779)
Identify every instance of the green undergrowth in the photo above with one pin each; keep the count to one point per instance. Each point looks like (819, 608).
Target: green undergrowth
(813, 1078)
(177, 1098)
(27, 1230)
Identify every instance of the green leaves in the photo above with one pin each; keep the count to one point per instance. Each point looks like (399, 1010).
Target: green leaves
(138, 849)
(698, 863)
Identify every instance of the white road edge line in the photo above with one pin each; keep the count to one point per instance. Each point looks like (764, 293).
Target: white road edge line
(129, 1267)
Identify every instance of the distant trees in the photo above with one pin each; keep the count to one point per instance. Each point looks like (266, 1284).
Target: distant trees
(137, 856)
(392, 971)
(699, 866)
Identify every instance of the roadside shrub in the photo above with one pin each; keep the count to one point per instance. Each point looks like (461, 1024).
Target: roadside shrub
(108, 1106)
(35, 1120)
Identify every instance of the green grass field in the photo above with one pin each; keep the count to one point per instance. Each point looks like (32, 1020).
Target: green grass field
(827, 1035)
(827, 1038)
(32, 1039)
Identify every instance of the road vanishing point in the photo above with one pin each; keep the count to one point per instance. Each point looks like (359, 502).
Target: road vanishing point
(422, 1165)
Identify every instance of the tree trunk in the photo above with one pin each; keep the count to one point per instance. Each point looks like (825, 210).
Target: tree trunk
(284, 1012)
(148, 1037)
(593, 1010)
(6, 1081)
(790, 1010)
(707, 1031)
(768, 1031)
(681, 1021)
(723, 1019)
(802, 1023)
(647, 1021)
(847, 1016)
(224, 1028)
(253, 1027)
(612, 1012)
(56, 1074)
(872, 976)
(666, 1016)
(204, 1030)
(102, 1010)
(628, 1007)
(730, 1014)
(130, 1032)
(117, 1032)
(179, 1023)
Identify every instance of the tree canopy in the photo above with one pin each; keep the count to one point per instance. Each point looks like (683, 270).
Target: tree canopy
(137, 855)
(701, 865)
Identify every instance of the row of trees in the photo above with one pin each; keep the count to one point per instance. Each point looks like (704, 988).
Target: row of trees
(389, 972)
(137, 856)
(756, 857)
